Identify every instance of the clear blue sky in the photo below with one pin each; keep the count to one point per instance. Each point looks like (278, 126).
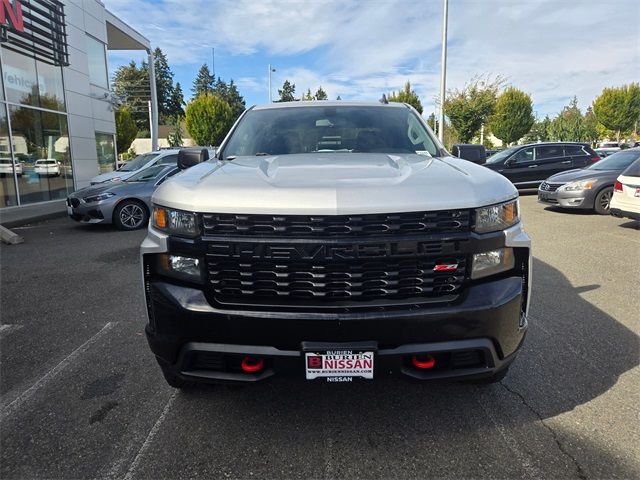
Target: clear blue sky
(552, 49)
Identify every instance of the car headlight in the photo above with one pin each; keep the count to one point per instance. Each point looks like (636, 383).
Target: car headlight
(497, 217)
(98, 198)
(178, 266)
(175, 222)
(579, 185)
(492, 262)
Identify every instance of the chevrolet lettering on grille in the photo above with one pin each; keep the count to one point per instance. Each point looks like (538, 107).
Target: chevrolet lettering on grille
(312, 251)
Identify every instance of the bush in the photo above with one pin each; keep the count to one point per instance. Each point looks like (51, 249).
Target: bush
(208, 118)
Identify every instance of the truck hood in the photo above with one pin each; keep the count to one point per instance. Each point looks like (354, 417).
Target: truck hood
(334, 184)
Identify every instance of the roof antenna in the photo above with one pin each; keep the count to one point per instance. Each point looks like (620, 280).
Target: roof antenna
(384, 99)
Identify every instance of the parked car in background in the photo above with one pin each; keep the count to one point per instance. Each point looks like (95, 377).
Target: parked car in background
(626, 193)
(605, 152)
(587, 188)
(126, 204)
(608, 145)
(527, 166)
(7, 166)
(46, 167)
(473, 153)
(146, 160)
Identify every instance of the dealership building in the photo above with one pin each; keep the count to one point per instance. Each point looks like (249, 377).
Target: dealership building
(57, 126)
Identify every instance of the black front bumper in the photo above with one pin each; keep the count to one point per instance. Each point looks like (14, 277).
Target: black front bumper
(476, 336)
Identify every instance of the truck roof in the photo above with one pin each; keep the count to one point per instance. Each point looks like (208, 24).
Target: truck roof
(326, 103)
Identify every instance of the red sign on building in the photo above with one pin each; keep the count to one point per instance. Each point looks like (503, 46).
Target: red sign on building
(13, 13)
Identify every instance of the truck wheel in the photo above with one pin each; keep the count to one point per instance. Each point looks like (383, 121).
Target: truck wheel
(130, 215)
(603, 201)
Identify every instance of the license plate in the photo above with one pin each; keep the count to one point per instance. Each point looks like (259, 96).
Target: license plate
(69, 210)
(339, 365)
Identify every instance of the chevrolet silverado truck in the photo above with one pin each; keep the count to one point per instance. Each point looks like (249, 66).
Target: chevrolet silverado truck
(334, 241)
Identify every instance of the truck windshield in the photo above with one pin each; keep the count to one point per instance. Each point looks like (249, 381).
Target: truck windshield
(326, 129)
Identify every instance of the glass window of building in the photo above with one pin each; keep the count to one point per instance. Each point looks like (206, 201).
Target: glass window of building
(50, 87)
(106, 148)
(41, 145)
(97, 62)
(7, 177)
(20, 78)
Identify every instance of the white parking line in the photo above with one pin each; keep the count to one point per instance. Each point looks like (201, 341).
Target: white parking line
(28, 393)
(147, 442)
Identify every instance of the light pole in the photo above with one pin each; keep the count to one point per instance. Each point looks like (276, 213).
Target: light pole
(443, 69)
(270, 70)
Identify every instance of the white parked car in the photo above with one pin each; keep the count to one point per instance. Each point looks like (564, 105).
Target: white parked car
(626, 193)
(47, 167)
(146, 160)
(6, 167)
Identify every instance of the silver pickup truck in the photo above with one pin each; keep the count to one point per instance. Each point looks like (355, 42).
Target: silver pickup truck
(334, 241)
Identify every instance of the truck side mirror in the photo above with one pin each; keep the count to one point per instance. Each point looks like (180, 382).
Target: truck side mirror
(188, 157)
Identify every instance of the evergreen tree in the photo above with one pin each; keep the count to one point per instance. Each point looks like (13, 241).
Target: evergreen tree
(568, 126)
(131, 85)
(307, 96)
(230, 94)
(176, 101)
(175, 136)
(203, 82)
(288, 92)
(406, 96)
(164, 84)
(321, 94)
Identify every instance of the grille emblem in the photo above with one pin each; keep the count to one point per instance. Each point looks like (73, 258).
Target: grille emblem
(450, 267)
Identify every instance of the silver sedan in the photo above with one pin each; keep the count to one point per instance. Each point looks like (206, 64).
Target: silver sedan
(125, 204)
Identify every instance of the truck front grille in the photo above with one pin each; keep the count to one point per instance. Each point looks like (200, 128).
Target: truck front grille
(304, 226)
(276, 282)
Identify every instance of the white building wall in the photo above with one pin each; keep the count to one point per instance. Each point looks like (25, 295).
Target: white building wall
(87, 108)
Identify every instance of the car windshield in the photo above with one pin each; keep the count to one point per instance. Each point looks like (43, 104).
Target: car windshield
(138, 162)
(500, 156)
(150, 174)
(327, 129)
(617, 161)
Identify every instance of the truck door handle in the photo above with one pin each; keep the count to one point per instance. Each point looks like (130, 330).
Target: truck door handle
(533, 166)
(567, 162)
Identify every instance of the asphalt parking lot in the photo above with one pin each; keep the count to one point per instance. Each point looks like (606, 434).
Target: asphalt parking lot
(82, 396)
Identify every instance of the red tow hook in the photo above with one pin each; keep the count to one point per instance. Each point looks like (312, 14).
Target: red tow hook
(423, 362)
(252, 365)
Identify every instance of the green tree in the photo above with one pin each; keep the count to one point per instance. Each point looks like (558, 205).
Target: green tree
(131, 85)
(208, 119)
(338, 97)
(176, 102)
(321, 94)
(164, 84)
(618, 109)
(513, 115)
(307, 96)
(539, 131)
(175, 136)
(406, 95)
(230, 94)
(590, 124)
(203, 82)
(287, 92)
(126, 129)
(470, 107)
(568, 126)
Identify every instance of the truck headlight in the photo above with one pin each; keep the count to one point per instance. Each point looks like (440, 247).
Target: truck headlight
(579, 185)
(497, 217)
(181, 267)
(175, 222)
(492, 262)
